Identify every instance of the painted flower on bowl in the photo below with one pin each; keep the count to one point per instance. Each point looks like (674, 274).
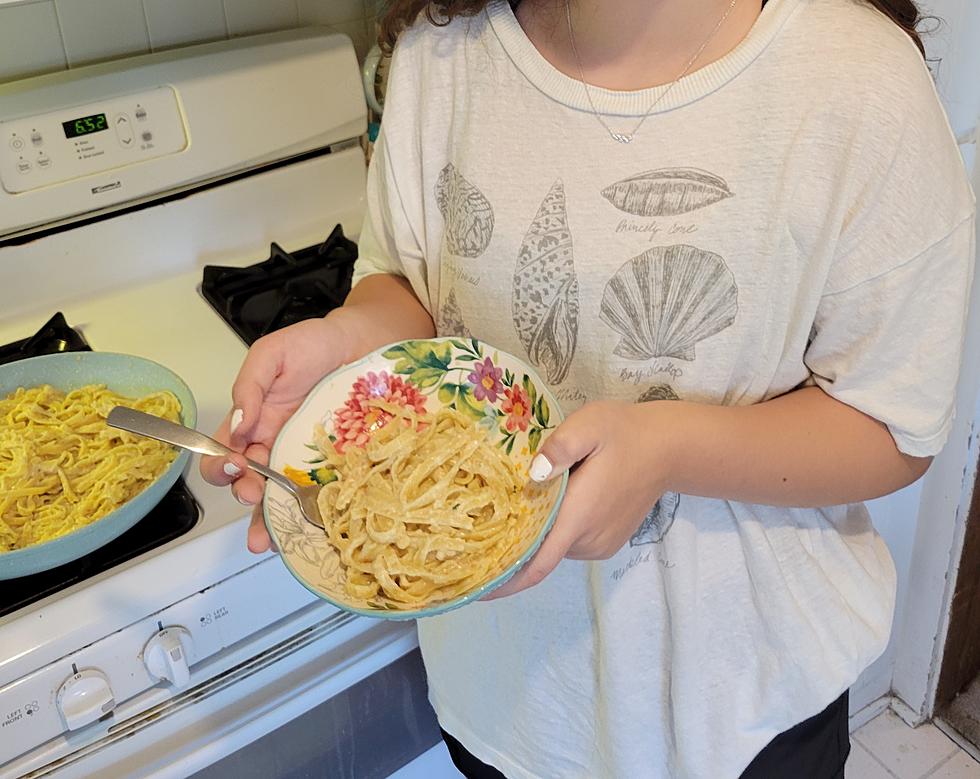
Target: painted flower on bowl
(485, 379)
(357, 418)
(517, 408)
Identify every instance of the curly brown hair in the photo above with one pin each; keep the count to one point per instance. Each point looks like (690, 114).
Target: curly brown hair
(399, 14)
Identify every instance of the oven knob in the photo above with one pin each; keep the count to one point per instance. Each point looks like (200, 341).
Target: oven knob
(85, 697)
(167, 656)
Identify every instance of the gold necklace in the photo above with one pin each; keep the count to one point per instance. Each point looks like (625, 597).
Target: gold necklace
(628, 137)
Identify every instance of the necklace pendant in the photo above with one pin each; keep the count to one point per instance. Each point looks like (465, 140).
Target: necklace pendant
(622, 137)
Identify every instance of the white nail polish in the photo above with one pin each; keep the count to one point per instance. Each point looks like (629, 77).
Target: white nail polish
(241, 500)
(231, 469)
(540, 468)
(236, 419)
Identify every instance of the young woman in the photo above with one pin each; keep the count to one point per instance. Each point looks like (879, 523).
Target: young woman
(737, 242)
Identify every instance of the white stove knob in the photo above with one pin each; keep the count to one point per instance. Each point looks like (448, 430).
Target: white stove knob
(84, 698)
(168, 656)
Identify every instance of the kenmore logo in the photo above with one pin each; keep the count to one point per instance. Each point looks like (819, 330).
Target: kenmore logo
(106, 187)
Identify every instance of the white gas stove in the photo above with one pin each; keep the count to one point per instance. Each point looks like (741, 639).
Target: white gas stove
(120, 182)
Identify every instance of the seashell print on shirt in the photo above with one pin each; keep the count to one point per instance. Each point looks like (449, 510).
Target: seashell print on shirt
(666, 300)
(450, 321)
(656, 523)
(660, 519)
(467, 213)
(667, 192)
(545, 300)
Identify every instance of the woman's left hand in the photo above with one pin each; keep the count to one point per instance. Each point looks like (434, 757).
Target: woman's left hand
(621, 458)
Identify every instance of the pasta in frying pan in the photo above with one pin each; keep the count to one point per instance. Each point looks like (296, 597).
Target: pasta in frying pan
(62, 467)
(426, 511)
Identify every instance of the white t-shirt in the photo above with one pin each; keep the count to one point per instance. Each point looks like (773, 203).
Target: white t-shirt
(794, 212)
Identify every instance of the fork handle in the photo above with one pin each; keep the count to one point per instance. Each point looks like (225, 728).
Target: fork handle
(152, 426)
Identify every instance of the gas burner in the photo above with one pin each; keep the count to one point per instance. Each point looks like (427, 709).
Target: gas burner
(286, 288)
(54, 337)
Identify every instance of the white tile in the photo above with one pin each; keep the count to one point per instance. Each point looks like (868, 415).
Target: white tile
(959, 766)
(30, 42)
(247, 17)
(177, 22)
(434, 764)
(909, 753)
(96, 30)
(861, 765)
(330, 11)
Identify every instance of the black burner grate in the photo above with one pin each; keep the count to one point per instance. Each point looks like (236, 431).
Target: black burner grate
(284, 289)
(55, 336)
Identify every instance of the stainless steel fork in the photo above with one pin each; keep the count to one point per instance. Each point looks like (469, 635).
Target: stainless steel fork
(152, 426)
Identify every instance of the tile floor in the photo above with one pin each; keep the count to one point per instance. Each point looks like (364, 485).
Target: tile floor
(885, 748)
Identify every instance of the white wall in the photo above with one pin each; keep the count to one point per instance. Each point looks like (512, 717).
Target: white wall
(48, 35)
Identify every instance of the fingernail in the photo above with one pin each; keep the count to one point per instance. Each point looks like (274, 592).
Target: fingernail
(236, 419)
(241, 500)
(231, 469)
(541, 468)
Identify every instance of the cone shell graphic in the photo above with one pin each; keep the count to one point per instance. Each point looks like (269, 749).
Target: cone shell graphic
(667, 192)
(467, 213)
(451, 318)
(545, 299)
(666, 300)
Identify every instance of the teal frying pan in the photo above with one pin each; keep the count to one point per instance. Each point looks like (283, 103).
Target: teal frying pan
(122, 373)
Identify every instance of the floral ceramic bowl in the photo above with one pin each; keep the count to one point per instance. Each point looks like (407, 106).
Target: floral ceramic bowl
(498, 391)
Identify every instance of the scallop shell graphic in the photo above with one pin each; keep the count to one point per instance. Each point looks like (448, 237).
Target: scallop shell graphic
(467, 213)
(545, 297)
(666, 300)
(658, 392)
(656, 524)
(451, 318)
(667, 192)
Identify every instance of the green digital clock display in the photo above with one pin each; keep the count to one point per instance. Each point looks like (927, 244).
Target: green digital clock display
(85, 126)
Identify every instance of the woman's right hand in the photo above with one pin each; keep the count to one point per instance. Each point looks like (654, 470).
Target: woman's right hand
(279, 371)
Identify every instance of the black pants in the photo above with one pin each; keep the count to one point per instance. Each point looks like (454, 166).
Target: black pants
(817, 748)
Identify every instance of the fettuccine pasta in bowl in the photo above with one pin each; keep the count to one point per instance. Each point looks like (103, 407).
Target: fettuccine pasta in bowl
(421, 451)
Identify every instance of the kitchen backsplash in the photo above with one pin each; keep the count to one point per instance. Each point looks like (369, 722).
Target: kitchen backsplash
(40, 37)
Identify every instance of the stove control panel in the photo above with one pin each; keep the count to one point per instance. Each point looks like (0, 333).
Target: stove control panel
(145, 663)
(84, 140)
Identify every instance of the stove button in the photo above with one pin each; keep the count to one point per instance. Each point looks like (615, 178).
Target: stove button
(140, 114)
(124, 130)
(36, 138)
(24, 166)
(168, 656)
(16, 143)
(84, 698)
(43, 161)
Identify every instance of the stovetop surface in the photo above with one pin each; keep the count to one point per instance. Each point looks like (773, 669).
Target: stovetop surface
(252, 301)
(140, 294)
